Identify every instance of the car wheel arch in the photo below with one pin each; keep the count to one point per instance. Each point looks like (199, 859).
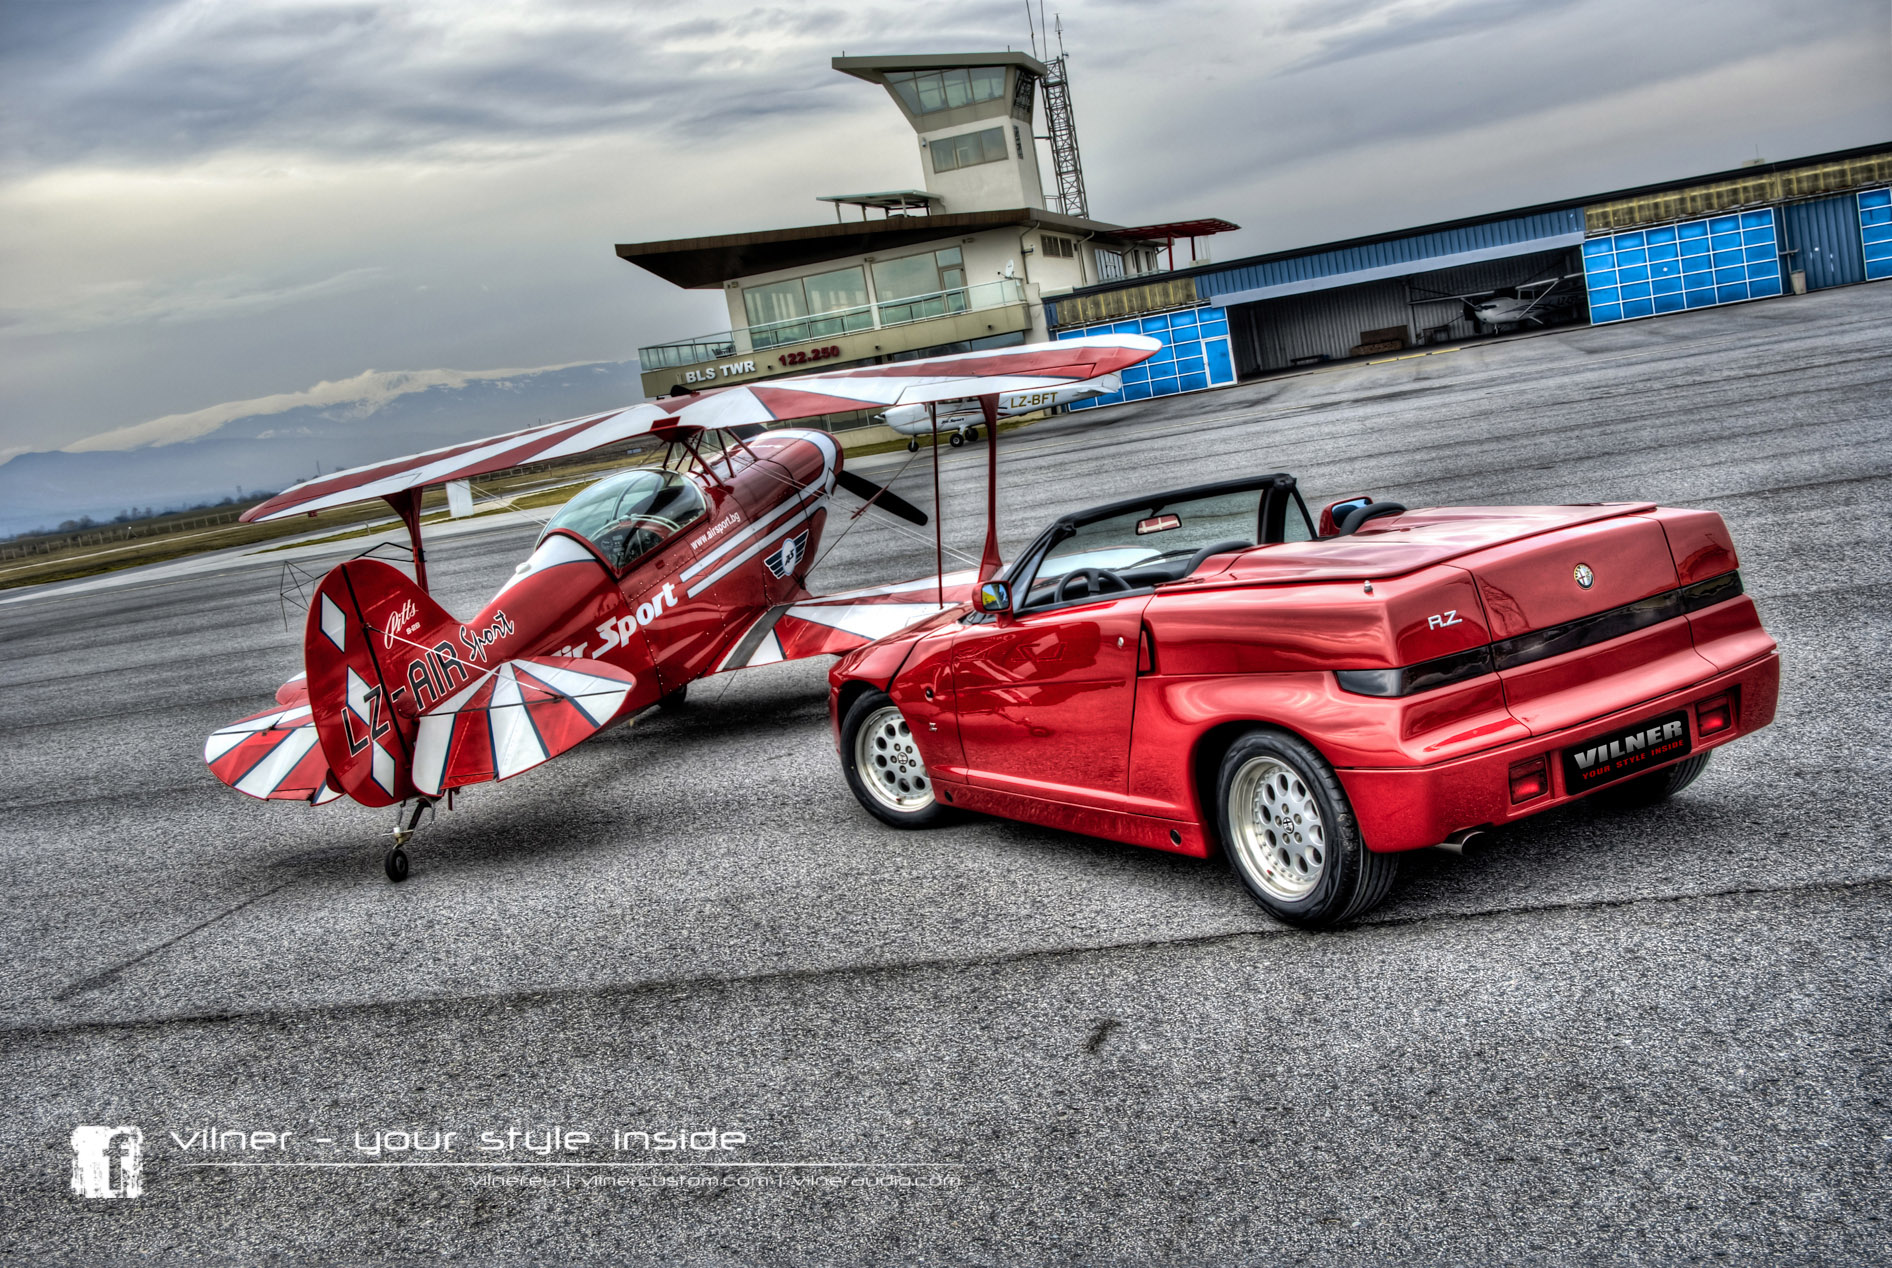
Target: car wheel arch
(1205, 767)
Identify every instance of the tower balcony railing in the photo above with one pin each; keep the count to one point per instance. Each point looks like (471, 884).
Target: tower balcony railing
(887, 313)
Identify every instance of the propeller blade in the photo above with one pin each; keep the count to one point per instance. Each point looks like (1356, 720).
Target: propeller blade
(886, 499)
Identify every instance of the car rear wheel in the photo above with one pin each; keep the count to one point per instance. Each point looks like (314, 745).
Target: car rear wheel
(1291, 836)
(883, 764)
(1656, 786)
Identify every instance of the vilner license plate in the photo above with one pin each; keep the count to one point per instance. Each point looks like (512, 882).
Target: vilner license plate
(1620, 754)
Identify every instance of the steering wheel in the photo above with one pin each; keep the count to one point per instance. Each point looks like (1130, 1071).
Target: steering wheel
(1093, 578)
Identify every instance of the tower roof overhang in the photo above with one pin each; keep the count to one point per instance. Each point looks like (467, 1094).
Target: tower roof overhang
(875, 69)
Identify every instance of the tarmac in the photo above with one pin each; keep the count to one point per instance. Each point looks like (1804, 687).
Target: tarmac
(1644, 1037)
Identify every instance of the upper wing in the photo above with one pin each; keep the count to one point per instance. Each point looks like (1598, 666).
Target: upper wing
(836, 623)
(997, 370)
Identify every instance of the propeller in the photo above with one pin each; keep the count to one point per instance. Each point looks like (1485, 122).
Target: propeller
(877, 495)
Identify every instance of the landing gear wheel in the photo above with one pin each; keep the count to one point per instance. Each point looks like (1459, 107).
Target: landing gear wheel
(675, 699)
(972, 433)
(883, 766)
(913, 446)
(396, 864)
(957, 439)
(1656, 786)
(1290, 833)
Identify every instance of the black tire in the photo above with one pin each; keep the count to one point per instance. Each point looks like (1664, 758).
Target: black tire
(866, 711)
(396, 864)
(913, 446)
(957, 439)
(1656, 786)
(675, 699)
(972, 433)
(1346, 881)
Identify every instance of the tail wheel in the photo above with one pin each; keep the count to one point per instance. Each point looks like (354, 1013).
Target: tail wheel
(883, 764)
(396, 864)
(1291, 835)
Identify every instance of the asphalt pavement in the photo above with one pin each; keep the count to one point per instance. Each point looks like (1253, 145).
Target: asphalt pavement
(1656, 1036)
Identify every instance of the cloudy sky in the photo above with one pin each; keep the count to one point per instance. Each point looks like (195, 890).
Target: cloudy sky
(220, 210)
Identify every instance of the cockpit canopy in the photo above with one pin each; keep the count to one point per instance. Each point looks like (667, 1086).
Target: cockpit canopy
(628, 515)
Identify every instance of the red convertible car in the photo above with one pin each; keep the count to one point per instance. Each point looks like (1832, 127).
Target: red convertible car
(1211, 669)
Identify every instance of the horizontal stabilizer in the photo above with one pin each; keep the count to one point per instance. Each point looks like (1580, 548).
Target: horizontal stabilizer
(273, 756)
(519, 715)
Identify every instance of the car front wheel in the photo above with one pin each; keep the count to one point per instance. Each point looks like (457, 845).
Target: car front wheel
(1291, 835)
(883, 765)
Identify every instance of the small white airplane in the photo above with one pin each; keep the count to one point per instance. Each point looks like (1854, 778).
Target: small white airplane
(1535, 303)
(959, 420)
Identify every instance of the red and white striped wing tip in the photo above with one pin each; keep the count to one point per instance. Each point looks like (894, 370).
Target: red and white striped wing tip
(273, 756)
(518, 715)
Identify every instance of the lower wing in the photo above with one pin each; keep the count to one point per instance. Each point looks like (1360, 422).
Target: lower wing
(836, 623)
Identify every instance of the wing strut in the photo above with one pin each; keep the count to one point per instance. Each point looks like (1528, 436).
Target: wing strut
(406, 504)
(989, 561)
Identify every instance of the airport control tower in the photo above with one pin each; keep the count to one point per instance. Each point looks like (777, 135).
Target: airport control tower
(972, 113)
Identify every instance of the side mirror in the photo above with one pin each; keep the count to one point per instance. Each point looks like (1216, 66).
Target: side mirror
(995, 596)
(1334, 514)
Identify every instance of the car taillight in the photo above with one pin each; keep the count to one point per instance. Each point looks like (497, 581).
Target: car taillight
(1714, 714)
(1529, 779)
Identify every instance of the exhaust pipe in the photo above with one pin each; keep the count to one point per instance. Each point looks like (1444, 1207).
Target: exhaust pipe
(1459, 842)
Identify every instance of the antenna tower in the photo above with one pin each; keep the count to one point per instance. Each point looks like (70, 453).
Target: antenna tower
(1069, 169)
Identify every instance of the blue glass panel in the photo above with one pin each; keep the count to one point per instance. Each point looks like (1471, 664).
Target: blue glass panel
(1728, 259)
(1876, 198)
(1695, 246)
(1214, 321)
(1628, 240)
(1669, 303)
(1662, 235)
(1700, 299)
(1221, 366)
(1191, 364)
(1634, 256)
(1636, 273)
(1165, 386)
(1693, 229)
(1724, 224)
(1759, 286)
(1761, 255)
(1600, 313)
(1667, 285)
(1875, 216)
(1079, 333)
(1728, 294)
(1138, 373)
(1757, 219)
(1135, 391)
(1183, 323)
(1596, 246)
(1664, 251)
(1125, 328)
(1724, 277)
(1193, 382)
(1603, 295)
(1635, 290)
(1157, 325)
(1876, 269)
(1753, 236)
(1877, 233)
(1163, 355)
(1665, 268)
(1638, 308)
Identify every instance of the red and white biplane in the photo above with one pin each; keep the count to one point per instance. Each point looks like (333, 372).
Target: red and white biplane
(644, 582)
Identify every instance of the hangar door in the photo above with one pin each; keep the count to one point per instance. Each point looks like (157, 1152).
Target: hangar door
(1694, 264)
(1875, 232)
(1823, 240)
(1194, 355)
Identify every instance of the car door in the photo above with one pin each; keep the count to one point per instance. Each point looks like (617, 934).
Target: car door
(1045, 699)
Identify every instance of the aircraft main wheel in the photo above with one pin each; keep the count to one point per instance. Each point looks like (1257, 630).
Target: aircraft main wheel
(396, 864)
(1291, 835)
(1657, 785)
(972, 433)
(883, 766)
(675, 699)
(913, 446)
(957, 439)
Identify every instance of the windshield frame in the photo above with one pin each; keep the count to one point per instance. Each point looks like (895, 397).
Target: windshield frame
(620, 567)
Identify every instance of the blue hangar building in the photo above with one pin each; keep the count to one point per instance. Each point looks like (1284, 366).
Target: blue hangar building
(1754, 233)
